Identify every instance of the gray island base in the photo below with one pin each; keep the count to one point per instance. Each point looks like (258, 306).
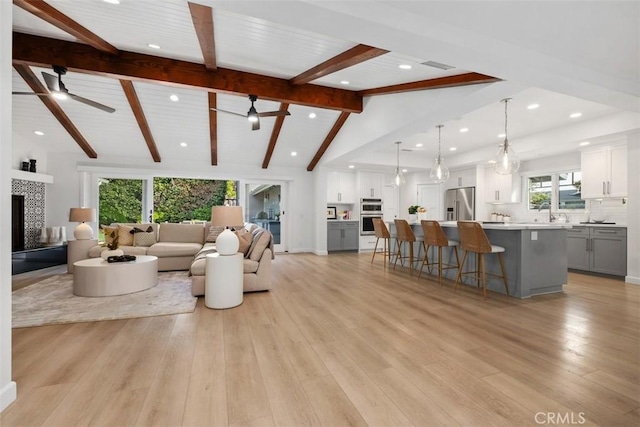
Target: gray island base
(535, 256)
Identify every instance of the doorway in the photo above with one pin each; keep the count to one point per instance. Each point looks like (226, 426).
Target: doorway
(264, 205)
(429, 198)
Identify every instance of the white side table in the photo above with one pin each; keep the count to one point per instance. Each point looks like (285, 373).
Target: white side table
(77, 250)
(223, 280)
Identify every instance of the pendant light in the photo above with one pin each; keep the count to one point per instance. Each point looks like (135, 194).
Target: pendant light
(399, 178)
(506, 160)
(439, 172)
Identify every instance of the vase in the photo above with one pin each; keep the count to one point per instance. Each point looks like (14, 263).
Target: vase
(413, 218)
(32, 165)
(114, 252)
(422, 216)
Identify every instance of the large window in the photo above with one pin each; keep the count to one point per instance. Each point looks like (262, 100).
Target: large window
(558, 191)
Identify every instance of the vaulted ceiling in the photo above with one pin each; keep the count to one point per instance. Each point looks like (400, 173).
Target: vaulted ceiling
(296, 56)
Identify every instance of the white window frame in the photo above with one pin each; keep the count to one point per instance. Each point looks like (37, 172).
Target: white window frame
(555, 190)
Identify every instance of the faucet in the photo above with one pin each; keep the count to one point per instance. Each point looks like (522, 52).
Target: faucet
(551, 217)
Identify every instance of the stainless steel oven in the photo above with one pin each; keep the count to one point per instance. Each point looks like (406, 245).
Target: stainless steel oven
(369, 209)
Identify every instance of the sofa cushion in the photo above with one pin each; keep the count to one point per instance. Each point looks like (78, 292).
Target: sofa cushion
(125, 238)
(249, 266)
(244, 241)
(199, 266)
(261, 240)
(144, 238)
(167, 249)
(181, 233)
(214, 232)
(134, 250)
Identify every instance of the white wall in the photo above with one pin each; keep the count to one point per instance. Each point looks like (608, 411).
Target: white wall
(8, 388)
(633, 210)
(24, 149)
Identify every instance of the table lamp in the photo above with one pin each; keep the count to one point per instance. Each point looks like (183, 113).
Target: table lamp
(227, 242)
(82, 215)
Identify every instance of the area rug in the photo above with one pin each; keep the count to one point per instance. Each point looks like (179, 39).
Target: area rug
(51, 302)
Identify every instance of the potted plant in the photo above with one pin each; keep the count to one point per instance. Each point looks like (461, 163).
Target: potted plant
(413, 209)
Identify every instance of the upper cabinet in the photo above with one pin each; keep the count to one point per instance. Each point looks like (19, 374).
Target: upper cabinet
(502, 188)
(461, 178)
(341, 187)
(370, 185)
(604, 172)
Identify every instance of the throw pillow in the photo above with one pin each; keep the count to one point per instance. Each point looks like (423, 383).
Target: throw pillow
(214, 232)
(260, 242)
(125, 236)
(110, 234)
(244, 239)
(144, 238)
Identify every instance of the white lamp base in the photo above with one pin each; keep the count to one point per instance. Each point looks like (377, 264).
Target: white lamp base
(83, 232)
(227, 243)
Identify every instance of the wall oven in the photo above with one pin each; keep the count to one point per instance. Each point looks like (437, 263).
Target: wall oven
(369, 209)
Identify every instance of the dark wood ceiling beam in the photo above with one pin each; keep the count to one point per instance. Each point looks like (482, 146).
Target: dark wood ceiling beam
(202, 17)
(42, 51)
(328, 140)
(213, 128)
(353, 56)
(35, 85)
(274, 136)
(438, 83)
(136, 107)
(56, 18)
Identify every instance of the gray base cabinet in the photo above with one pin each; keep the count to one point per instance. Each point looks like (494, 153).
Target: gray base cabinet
(598, 249)
(342, 236)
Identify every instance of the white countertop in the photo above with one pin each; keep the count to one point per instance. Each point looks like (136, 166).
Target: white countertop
(517, 226)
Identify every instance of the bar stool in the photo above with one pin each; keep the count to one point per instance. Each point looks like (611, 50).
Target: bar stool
(434, 236)
(382, 232)
(404, 234)
(474, 239)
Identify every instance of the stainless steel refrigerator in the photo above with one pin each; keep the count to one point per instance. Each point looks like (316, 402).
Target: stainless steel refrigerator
(460, 204)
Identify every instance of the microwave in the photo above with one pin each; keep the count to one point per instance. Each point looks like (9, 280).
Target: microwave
(372, 206)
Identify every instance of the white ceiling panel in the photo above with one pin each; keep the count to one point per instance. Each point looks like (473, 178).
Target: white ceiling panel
(25, 22)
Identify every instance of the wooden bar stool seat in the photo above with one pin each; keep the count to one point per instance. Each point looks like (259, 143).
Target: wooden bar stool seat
(382, 232)
(404, 236)
(434, 237)
(474, 239)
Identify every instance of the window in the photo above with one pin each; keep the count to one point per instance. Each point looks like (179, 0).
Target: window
(559, 191)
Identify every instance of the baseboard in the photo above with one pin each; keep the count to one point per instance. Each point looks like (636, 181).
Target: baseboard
(8, 394)
(321, 253)
(632, 280)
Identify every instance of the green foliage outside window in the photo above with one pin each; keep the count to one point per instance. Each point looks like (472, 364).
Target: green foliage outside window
(182, 199)
(120, 200)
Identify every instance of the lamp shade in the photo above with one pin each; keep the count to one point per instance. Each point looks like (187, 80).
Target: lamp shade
(82, 215)
(227, 216)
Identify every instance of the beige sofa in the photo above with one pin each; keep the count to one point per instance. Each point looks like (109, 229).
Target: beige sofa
(184, 247)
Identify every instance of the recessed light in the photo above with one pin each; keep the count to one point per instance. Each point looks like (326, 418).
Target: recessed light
(404, 66)
(418, 145)
(174, 98)
(344, 82)
(453, 149)
(312, 115)
(463, 130)
(293, 154)
(575, 115)
(491, 161)
(583, 143)
(183, 144)
(404, 170)
(501, 135)
(153, 46)
(38, 132)
(533, 106)
(112, 1)
(351, 166)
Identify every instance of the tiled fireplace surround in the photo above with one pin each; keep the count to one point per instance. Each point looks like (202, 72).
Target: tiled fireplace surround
(34, 209)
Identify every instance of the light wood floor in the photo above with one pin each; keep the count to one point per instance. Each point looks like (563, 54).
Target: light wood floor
(340, 341)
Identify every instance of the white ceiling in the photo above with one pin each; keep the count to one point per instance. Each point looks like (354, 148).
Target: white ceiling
(567, 57)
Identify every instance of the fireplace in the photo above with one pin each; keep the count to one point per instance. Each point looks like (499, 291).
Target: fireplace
(17, 222)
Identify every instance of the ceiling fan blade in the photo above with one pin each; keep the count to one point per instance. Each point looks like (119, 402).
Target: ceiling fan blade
(274, 113)
(92, 103)
(218, 110)
(31, 93)
(51, 81)
(255, 125)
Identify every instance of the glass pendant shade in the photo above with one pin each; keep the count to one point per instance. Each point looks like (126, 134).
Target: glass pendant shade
(439, 172)
(399, 178)
(506, 160)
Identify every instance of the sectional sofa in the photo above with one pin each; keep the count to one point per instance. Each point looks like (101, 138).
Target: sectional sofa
(185, 246)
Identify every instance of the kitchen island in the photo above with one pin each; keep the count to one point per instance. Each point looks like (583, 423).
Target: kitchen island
(535, 256)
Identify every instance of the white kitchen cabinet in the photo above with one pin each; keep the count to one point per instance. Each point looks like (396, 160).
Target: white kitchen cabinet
(461, 178)
(604, 172)
(502, 188)
(370, 185)
(341, 187)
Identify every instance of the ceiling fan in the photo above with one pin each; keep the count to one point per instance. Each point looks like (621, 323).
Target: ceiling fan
(253, 116)
(59, 90)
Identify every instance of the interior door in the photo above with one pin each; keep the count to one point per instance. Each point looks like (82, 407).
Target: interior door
(265, 206)
(430, 199)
